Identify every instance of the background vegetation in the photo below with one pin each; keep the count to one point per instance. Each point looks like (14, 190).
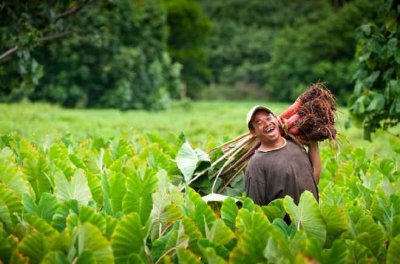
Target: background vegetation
(134, 54)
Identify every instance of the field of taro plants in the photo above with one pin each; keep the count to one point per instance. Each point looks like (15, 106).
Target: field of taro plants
(128, 200)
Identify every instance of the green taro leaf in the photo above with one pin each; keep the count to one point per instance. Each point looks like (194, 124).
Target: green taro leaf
(199, 211)
(40, 225)
(164, 211)
(336, 254)
(393, 255)
(211, 256)
(55, 257)
(46, 207)
(220, 233)
(140, 185)
(10, 175)
(5, 216)
(306, 215)
(76, 189)
(221, 251)
(370, 234)
(253, 228)
(229, 211)
(186, 256)
(94, 182)
(60, 216)
(35, 246)
(117, 190)
(188, 159)
(335, 219)
(173, 241)
(129, 238)
(357, 253)
(10, 203)
(90, 239)
(87, 215)
(277, 247)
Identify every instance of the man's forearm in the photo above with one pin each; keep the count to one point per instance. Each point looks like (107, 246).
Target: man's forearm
(313, 152)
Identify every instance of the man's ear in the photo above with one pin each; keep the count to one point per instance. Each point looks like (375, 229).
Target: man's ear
(252, 132)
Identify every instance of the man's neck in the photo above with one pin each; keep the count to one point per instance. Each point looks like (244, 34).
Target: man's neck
(280, 143)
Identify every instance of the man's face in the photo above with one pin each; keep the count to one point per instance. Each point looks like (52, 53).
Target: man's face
(265, 127)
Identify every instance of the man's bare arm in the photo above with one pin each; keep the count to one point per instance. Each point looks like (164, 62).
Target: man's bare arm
(313, 152)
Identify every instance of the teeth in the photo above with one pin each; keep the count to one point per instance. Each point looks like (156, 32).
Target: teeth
(269, 129)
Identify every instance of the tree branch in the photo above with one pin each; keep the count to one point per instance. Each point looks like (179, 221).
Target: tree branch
(8, 53)
(57, 35)
(70, 11)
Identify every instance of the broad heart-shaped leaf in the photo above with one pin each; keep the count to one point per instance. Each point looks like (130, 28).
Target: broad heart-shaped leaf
(305, 247)
(394, 228)
(358, 253)
(274, 210)
(76, 189)
(10, 175)
(171, 242)
(140, 185)
(46, 207)
(219, 233)
(253, 231)
(10, 203)
(34, 245)
(164, 210)
(89, 238)
(117, 191)
(186, 256)
(211, 256)
(335, 220)
(306, 215)
(87, 215)
(199, 211)
(204, 243)
(60, 216)
(393, 255)
(129, 238)
(5, 215)
(277, 248)
(40, 225)
(229, 211)
(336, 254)
(188, 159)
(370, 234)
(55, 257)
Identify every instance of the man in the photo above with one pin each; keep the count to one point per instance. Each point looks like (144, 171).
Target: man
(279, 167)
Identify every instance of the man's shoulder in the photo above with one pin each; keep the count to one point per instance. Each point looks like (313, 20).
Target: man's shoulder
(294, 146)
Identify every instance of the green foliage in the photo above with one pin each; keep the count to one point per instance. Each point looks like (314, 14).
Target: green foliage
(113, 54)
(240, 43)
(124, 200)
(375, 103)
(189, 30)
(319, 45)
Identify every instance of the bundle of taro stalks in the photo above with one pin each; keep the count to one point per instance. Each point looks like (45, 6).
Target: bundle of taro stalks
(310, 118)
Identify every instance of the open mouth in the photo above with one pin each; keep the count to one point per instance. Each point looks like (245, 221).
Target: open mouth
(269, 129)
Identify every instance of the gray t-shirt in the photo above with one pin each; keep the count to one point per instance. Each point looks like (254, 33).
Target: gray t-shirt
(277, 173)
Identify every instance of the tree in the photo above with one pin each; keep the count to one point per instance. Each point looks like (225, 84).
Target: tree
(116, 56)
(375, 103)
(318, 46)
(24, 26)
(189, 30)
